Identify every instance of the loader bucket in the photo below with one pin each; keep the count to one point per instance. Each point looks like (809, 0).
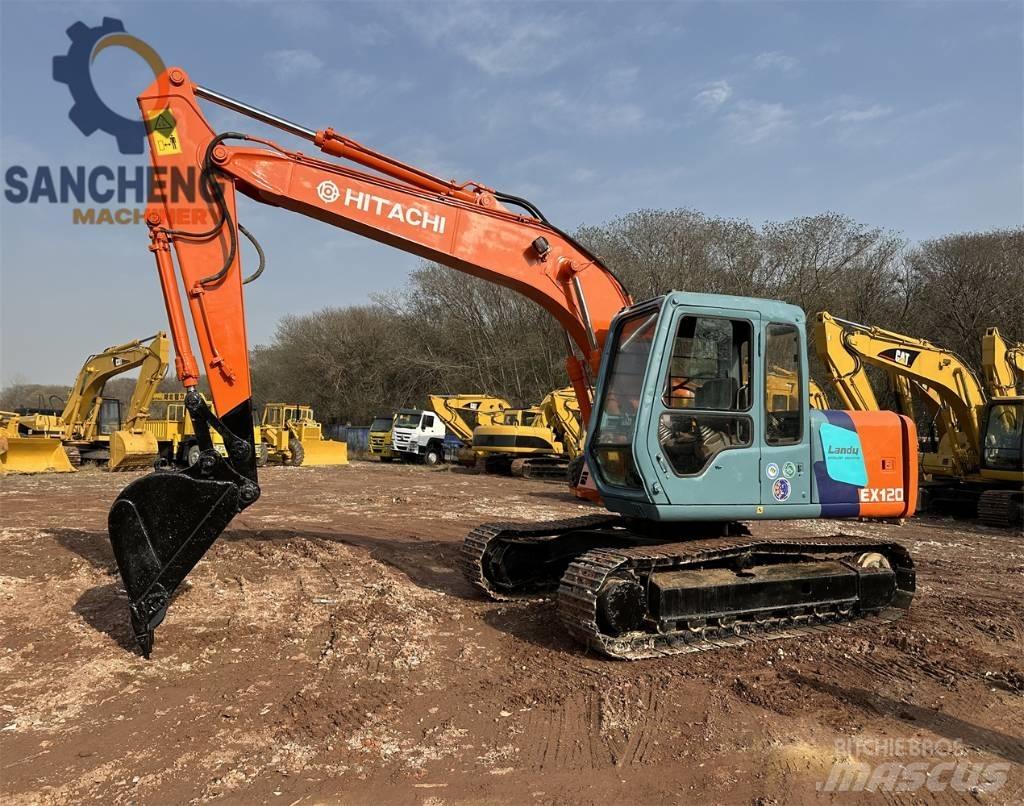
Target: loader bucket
(324, 452)
(33, 455)
(160, 526)
(132, 449)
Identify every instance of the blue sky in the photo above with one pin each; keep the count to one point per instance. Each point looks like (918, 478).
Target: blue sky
(901, 115)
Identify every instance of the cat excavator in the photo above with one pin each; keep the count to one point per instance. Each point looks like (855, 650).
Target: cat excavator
(90, 427)
(974, 466)
(538, 442)
(670, 568)
(461, 414)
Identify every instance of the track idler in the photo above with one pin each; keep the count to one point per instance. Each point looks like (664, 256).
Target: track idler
(162, 524)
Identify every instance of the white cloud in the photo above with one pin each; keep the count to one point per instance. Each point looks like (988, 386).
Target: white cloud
(289, 64)
(714, 95)
(775, 60)
(498, 39)
(861, 115)
(752, 122)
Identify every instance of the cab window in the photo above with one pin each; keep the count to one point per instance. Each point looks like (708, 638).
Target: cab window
(428, 421)
(708, 377)
(710, 367)
(783, 385)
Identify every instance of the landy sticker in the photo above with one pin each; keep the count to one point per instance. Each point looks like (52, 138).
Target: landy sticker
(772, 470)
(844, 457)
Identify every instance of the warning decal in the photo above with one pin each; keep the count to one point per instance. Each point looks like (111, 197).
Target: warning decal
(163, 133)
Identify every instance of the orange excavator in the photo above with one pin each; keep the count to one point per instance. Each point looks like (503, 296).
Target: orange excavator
(625, 584)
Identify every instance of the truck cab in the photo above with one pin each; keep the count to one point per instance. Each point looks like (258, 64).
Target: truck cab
(689, 424)
(418, 436)
(379, 439)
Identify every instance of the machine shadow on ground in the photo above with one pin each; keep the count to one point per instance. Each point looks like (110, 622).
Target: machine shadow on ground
(1004, 745)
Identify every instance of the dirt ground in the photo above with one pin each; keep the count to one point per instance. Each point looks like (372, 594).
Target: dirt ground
(328, 650)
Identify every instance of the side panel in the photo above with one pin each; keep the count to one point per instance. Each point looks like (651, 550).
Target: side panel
(864, 463)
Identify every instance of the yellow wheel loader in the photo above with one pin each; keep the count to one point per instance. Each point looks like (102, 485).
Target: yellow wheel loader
(29, 453)
(170, 424)
(91, 427)
(294, 438)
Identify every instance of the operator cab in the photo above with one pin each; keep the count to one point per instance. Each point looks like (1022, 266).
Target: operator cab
(702, 415)
(1003, 437)
(109, 419)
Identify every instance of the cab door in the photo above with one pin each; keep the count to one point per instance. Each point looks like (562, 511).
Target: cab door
(705, 417)
(784, 436)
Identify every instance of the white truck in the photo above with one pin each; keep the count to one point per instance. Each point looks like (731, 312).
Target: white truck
(419, 436)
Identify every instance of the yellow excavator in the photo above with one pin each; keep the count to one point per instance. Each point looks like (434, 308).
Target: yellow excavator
(463, 414)
(294, 438)
(91, 428)
(974, 465)
(1002, 363)
(538, 442)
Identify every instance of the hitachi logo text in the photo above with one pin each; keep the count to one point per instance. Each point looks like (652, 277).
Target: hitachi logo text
(378, 205)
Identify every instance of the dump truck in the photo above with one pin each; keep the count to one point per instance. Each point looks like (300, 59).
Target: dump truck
(379, 438)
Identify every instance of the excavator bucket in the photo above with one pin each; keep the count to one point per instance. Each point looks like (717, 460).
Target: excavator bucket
(324, 452)
(132, 449)
(32, 454)
(160, 526)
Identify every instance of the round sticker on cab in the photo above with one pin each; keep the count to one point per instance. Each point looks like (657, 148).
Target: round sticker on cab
(772, 470)
(781, 490)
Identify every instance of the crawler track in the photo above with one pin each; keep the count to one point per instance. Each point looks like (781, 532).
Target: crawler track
(576, 558)
(578, 597)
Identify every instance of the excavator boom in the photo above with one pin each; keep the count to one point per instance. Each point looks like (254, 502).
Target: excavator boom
(162, 524)
(462, 413)
(1003, 364)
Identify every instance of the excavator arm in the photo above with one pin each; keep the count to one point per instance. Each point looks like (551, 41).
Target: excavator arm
(82, 407)
(161, 525)
(942, 375)
(151, 372)
(562, 410)
(462, 413)
(847, 373)
(1002, 363)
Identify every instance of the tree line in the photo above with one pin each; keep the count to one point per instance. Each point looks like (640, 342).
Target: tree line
(446, 332)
